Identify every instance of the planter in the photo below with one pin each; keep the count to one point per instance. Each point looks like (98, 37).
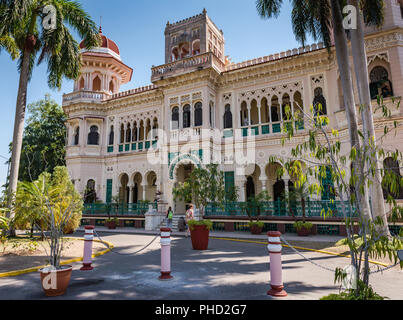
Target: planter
(199, 236)
(55, 284)
(255, 229)
(304, 232)
(110, 225)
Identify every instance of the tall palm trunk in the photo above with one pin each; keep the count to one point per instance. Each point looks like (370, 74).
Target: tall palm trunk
(18, 129)
(348, 94)
(361, 71)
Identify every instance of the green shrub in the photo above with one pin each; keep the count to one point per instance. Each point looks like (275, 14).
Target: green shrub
(366, 293)
(207, 223)
(258, 224)
(300, 224)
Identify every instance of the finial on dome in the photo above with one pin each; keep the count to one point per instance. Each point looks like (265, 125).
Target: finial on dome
(100, 24)
(204, 11)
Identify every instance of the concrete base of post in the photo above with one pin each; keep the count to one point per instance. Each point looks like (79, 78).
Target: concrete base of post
(277, 291)
(87, 267)
(165, 276)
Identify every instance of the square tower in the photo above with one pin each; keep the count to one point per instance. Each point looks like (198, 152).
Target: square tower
(193, 36)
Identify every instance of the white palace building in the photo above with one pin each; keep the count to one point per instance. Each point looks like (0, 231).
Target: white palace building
(201, 107)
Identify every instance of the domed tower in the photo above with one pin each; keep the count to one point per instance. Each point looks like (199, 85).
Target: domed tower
(102, 68)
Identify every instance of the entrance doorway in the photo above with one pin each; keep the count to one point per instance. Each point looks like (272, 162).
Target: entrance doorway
(182, 174)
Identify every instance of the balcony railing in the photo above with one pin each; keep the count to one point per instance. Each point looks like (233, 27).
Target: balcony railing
(85, 96)
(282, 209)
(113, 209)
(204, 60)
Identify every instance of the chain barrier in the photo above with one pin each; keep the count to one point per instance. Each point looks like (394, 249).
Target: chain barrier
(125, 254)
(306, 258)
(329, 269)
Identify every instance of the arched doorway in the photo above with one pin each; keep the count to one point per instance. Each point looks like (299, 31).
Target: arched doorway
(278, 197)
(183, 172)
(250, 188)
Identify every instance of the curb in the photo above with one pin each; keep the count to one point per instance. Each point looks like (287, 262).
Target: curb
(305, 249)
(34, 269)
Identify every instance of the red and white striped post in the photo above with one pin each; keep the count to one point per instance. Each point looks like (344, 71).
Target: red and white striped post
(276, 277)
(87, 257)
(165, 254)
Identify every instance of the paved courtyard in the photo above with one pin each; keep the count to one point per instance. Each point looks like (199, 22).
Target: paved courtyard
(228, 270)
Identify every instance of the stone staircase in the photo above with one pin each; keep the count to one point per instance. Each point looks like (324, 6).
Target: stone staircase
(175, 221)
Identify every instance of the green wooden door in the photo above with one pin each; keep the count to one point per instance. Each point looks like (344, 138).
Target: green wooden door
(109, 191)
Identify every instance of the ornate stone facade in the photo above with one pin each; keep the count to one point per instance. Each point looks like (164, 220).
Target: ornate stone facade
(200, 107)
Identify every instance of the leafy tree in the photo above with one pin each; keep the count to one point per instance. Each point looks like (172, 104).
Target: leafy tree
(203, 186)
(323, 152)
(43, 144)
(24, 26)
(31, 209)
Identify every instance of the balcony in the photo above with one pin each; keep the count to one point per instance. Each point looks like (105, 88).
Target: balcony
(85, 96)
(187, 65)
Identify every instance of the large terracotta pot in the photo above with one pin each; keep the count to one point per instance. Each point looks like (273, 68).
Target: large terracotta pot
(61, 278)
(255, 229)
(199, 235)
(304, 232)
(110, 225)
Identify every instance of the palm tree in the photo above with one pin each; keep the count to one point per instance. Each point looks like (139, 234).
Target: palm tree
(372, 13)
(318, 18)
(24, 22)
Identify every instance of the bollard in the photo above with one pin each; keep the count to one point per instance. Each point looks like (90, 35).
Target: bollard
(276, 279)
(87, 257)
(165, 254)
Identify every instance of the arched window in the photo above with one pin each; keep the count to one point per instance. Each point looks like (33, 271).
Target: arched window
(155, 129)
(111, 86)
(90, 194)
(286, 104)
(196, 47)
(148, 129)
(319, 102)
(122, 134)
(244, 115)
(111, 137)
(77, 136)
(96, 84)
(392, 173)
(228, 117)
(81, 84)
(175, 118)
(198, 114)
(93, 136)
(186, 116)
(128, 133)
(275, 107)
(134, 134)
(380, 83)
(175, 54)
(184, 50)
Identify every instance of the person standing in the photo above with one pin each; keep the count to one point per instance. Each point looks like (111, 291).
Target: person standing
(170, 215)
(189, 216)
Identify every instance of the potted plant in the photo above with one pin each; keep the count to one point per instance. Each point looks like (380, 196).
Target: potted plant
(299, 193)
(111, 223)
(199, 233)
(59, 202)
(203, 186)
(253, 208)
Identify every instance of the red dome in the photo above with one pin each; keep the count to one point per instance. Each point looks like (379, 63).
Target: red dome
(106, 43)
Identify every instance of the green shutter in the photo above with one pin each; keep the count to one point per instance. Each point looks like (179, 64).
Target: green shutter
(229, 179)
(109, 191)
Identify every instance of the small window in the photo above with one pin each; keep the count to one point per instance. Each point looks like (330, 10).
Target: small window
(186, 116)
(228, 117)
(111, 137)
(319, 103)
(93, 136)
(198, 114)
(380, 83)
(175, 118)
(77, 136)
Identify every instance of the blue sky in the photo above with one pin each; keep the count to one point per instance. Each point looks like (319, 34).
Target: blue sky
(137, 26)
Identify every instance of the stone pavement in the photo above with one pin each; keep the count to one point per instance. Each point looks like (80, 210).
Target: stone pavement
(228, 270)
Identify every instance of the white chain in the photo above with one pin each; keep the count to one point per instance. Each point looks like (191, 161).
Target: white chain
(306, 258)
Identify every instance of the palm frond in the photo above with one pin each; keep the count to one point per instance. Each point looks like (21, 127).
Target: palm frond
(269, 8)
